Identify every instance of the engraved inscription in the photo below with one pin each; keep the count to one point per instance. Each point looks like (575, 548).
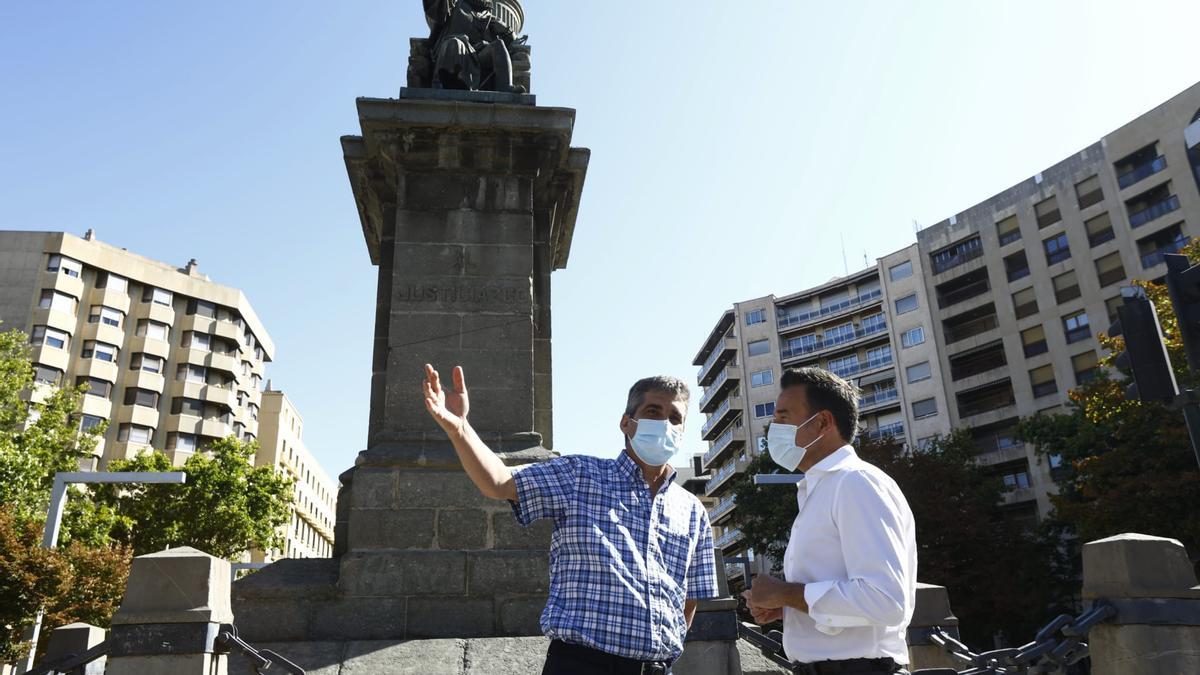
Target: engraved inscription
(462, 293)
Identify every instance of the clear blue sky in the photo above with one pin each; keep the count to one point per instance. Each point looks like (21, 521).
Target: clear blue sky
(210, 130)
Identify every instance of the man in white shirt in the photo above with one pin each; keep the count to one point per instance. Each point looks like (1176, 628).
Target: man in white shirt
(851, 560)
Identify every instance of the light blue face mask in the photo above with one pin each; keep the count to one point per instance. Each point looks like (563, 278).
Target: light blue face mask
(781, 443)
(656, 441)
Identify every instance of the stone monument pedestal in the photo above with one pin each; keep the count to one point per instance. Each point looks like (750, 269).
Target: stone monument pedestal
(467, 205)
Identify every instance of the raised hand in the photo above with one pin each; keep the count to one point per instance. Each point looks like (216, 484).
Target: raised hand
(763, 616)
(448, 408)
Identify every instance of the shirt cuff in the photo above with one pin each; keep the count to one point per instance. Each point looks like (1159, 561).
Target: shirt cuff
(526, 498)
(829, 624)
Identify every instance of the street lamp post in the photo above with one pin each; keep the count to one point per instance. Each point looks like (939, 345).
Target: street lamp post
(58, 501)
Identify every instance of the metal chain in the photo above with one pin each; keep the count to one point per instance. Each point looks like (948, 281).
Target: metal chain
(1058, 645)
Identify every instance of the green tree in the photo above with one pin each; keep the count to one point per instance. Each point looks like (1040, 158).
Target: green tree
(1130, 464)
(227, 506)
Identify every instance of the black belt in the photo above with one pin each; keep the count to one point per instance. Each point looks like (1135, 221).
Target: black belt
(612, 662)
(847, 667)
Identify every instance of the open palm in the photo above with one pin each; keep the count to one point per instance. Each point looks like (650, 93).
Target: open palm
(448, 408)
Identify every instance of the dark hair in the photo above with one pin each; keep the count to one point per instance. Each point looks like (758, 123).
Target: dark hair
(664, 383)
(826, 391)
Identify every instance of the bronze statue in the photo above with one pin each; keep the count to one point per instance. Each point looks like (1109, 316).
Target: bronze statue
(471, 44)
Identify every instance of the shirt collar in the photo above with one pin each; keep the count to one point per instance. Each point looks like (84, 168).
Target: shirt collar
(629, 469)
(836, 461)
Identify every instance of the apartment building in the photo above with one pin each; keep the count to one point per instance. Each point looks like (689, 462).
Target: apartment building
(841, 326)
(991, 316)
(309, 532)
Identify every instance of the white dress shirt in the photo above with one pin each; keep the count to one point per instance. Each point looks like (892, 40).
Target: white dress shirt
(854, 547)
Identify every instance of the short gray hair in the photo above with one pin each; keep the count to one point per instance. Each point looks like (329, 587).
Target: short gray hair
(663, 383)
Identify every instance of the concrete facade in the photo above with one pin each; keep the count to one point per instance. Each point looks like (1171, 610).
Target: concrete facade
(991, 316)
(173, 359)
(309, 533)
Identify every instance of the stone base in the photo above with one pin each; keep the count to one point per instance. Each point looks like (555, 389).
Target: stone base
(467, 96)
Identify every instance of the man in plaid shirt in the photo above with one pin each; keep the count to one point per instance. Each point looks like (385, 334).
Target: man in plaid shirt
(631, 553)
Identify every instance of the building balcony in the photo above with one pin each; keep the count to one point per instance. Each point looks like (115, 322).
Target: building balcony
(55, 319)
(101, 370)
(719, 418)
(721, 478)
(1154, 211)
(230, 331)
(1018, 496)
(998, 453)
(723, 508)
(862, 367)
(894, 430)
(151, 346)
(125, 450)
(1156, 257)
(961, 330)
(725, 350)
(825, 344)
(145, 380)
(734, 571)
(96, 406)
(200, 324)
(732, 439)
(63, 283)
(794, 320)
(54, 357)
(139, 415)
(1141, 172)
(155, 312)
(946, 260)
(728, 538)
(722, 383)
(103, 333)
(118, 300)
(879, 399)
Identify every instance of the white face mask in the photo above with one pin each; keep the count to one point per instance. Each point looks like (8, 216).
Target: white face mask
(656, 441)
(781, 443)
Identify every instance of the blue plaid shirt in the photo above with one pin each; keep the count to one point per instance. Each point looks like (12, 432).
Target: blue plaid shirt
(621, 563)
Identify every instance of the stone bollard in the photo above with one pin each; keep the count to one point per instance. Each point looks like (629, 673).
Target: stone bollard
(932, 609)
(73, 640)
(1152, 584)
(168, 622)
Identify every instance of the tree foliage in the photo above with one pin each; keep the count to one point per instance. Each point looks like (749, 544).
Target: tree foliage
(227, 506)
(1131, 464)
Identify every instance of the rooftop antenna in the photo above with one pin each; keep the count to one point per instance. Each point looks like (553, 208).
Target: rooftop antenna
(865, 263)
(845, 264)
(916, 226)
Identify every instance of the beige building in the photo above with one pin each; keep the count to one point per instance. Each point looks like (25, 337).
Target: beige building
(309, 533)
(993, 314)
(172, 360)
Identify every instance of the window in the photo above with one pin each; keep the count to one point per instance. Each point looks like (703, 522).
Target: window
(105, 315)
(1015, 481)
(1042, 380)
(879, 355)
(60, 302)
(198, 341)
(1033, 340)
(1025, 303)
(181, 442)
(95, 386)
(68, 266)
(1109, 269)
(187, 406)
(142, 397)
(1047, 212)
(1111, 305)
(844, 366)
(839, 334)
(112, 282)
(101, 351)
(1099, 229)
(254, 411)
(873, 323)
(906, 304)
(1076, 327)
(49, 337)
(191, 373)
(924, 408)
(46, 374)
(913, 337)
(758, 347)
(1066, 287)
(202, 308)
(1085, 366)
(1089, 192)
(1008, 230)
(135, 433)
(89, 422)
(956, 254)
(918, 372)
(157, 295)
(902, 271)
(146, 362)
(764, 409)
(756, 316)
(1016, 266)
(153, 329)
(1057, 249)
(761, 378)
